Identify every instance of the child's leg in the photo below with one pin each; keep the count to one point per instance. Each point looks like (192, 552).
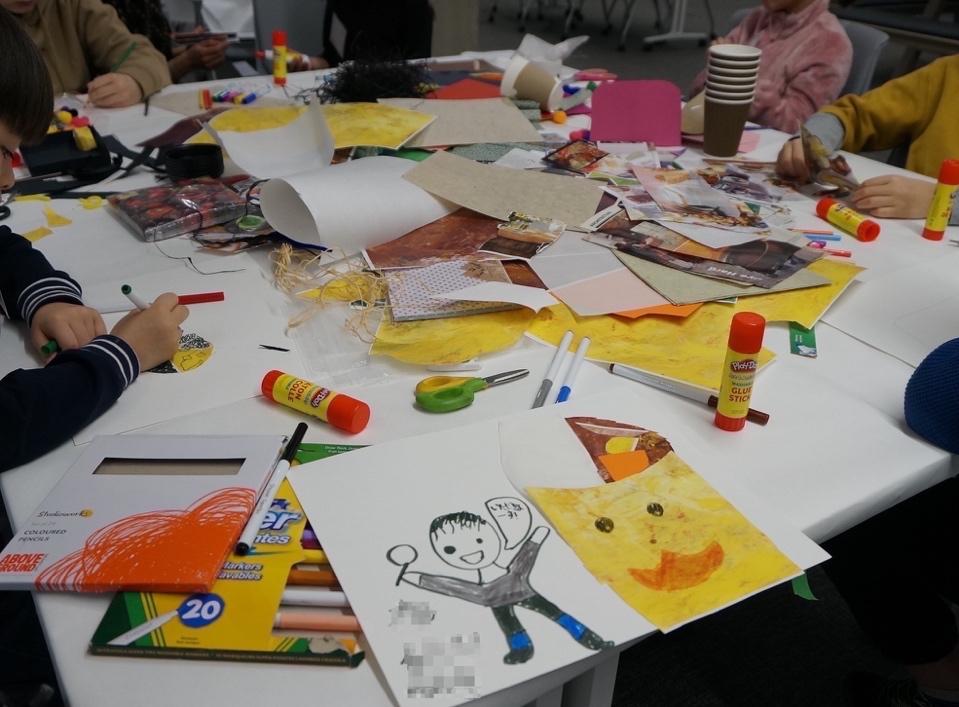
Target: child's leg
(575, 629)
(520, 645)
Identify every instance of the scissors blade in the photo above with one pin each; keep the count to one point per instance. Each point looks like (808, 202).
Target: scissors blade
(506, 377)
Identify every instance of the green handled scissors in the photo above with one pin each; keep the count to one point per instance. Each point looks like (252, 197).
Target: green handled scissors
(447, 393)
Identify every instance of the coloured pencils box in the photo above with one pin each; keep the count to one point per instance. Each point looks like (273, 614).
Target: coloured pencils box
(142, 512)
(235, 620)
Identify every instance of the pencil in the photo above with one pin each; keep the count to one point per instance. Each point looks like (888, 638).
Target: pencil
(314, 557)
(312, 578)
(123, 57)
(296, 596)
(316, 622)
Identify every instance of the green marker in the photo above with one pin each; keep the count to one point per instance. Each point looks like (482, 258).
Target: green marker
(51, 347)
(123, 57)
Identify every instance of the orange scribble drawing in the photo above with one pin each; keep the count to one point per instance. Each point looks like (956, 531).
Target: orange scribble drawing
(680, 571)
(162, 551)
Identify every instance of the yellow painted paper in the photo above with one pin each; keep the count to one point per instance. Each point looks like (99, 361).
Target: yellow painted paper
(373, 124)
(667, 543)
(690, 349)
(806, 306)
(251, 119)
(351, 124)
(36, 234)
(454, 340)
(54, 219)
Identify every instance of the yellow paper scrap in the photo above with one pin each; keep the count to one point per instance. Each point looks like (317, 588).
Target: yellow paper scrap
(251, 119)
(690, 349)
(804, 307)
(351, 124)
(448, 341)
(373, 124)
(665, 541)
(91, 202)
(32, 197)
(54, 219)
(36, 234)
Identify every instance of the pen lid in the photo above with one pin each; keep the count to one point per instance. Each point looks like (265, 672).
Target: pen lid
(279, 38)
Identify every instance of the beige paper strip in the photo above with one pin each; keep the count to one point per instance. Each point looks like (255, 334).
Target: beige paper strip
(496, 191)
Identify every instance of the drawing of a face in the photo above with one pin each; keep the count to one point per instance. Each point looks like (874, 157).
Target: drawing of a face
(466, 544)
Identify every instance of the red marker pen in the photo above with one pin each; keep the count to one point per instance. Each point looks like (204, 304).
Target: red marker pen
(820, 245)
(739, 370)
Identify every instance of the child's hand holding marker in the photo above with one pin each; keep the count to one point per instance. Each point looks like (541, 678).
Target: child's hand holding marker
(152, 331)
(63, 325)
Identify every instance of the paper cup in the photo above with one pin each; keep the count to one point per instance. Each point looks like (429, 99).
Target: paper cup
(730, 80)
(724, 64)
(731, 87)
(723, 123)
(734, 52)
(692, 115)
(525, 80)
(725, 71)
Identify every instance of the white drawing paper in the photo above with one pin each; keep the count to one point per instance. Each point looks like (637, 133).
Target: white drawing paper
(905, 314)
(236, 327)
(351, 206)
(400, 555)
(303, 145)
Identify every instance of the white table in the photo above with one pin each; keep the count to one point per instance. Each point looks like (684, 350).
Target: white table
(835, 452)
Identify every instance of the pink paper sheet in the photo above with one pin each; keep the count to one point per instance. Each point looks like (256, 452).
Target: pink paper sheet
(637, 111)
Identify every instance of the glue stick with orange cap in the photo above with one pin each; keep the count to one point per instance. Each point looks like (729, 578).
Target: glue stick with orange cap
(337, 409)
(852, 222)
(279, 57)
(942, 200)
(739, 370)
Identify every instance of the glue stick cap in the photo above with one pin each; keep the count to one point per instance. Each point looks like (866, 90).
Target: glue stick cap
(823, 206)
(279, 38)
(348, 413)
(746, 332)
(949, 172)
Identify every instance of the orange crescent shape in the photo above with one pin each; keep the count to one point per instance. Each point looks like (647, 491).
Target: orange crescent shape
(680, 571)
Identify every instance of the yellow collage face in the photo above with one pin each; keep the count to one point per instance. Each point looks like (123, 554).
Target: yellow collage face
(665, 541)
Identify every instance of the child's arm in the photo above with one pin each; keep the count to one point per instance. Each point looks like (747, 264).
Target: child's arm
(42, 408)
(932, 397)
(28, 281)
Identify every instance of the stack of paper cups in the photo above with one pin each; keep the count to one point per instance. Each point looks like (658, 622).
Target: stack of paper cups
(730, 88)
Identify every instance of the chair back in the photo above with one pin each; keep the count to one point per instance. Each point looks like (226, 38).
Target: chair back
(302, 20)
(867, 44)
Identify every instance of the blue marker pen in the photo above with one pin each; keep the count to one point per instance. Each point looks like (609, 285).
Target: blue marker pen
(567, 388)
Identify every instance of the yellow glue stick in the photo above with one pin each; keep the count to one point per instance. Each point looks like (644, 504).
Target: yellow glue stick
(279, 57)
(739, 370)
(337, 409)
(942, 200)
(852, 222)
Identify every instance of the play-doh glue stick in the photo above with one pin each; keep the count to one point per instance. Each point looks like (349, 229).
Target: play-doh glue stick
(942, 200)
(337, 409)
(852, 222)
(739, 370)
(279, 57)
